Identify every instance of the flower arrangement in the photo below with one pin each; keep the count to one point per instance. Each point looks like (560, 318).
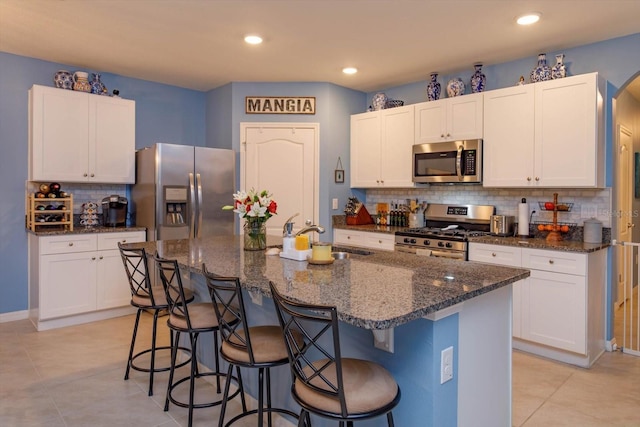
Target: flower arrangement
(256, 208)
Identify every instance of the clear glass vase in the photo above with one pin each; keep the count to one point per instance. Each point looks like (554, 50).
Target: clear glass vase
(255, 235)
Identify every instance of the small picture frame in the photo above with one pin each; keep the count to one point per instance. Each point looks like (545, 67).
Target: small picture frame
(339, 176)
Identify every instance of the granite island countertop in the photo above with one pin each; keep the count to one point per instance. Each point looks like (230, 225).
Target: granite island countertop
(371, 290)
(541, 243)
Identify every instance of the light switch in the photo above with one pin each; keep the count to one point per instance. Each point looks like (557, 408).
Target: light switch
(334, 204)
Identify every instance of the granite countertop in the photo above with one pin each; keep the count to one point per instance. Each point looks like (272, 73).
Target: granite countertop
(372, 228)
(372, 290)
(541, 243)
(54, 231)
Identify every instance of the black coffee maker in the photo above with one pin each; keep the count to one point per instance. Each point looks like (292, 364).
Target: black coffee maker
(114, 211)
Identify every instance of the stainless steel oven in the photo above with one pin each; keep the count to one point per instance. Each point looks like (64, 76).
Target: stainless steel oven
(447, 232)
(448, 162)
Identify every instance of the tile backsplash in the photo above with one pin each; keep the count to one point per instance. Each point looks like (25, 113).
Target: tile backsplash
(587, 203)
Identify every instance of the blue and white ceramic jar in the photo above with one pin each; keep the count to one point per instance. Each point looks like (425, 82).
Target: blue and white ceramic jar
(433, 88)
(559, 70)
(97, 86)
(379, 101)
(542, 71)
(63, 79)
(455, 87)
(478, 80)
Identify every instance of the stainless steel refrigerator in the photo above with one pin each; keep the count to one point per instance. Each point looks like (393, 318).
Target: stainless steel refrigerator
(180, 190)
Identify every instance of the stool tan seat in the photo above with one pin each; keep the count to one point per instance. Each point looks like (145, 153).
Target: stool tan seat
(324, 383)
(260, 347)
(145, 298)
(192, 319)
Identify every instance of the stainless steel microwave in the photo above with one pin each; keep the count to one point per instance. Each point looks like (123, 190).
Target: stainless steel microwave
(448, 162)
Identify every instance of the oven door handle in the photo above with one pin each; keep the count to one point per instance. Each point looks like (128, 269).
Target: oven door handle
(443, 254)
(459, 163)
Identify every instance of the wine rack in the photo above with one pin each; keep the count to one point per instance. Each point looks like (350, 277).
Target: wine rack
(39, 217)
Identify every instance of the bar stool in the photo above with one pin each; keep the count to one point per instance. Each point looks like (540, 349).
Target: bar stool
(145, 298)
(325, 383)
(260, 347)
(192, 319)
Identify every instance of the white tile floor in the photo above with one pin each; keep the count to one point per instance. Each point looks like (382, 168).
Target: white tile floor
(74, 377)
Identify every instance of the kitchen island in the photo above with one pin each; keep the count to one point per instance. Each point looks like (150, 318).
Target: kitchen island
(420, 306)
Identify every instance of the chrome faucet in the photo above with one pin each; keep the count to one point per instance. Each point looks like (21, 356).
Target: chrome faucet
(310, 227)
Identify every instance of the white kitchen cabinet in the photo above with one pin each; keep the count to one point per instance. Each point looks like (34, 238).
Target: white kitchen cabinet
(531, 132)
(80, 137)
(449, 119)
(559, 311)
(381, 146)
(364, 239)
(72, 276)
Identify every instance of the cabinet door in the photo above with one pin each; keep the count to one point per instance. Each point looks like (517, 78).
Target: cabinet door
(508, 146)
(464, 117)
(67, 284)
(366, 143)
(566, 127)
(59, 128)
(553, 310)
(112, 287)
(111, 140)
(431, 121)
(397, 144)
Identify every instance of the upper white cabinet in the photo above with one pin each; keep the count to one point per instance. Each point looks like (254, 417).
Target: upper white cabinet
(547, 134)
(80, 137)
(381, 146)
(449, 119)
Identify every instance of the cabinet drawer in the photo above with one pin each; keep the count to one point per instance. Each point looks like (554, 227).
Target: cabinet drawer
(364, 239)
(495, 254)
(108, 241)
(382, 241)
(554, 261)
(67, 244)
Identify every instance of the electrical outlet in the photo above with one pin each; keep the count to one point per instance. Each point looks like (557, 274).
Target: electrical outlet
(334, 204)
(446, 365)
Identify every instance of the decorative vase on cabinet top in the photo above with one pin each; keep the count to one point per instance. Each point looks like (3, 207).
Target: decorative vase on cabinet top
(379, 101)
(542, 71)
(63, 79)
(455, 87)
(433, 88)
(559, 70)
(478, 80)
(81, 81)
(97, 86)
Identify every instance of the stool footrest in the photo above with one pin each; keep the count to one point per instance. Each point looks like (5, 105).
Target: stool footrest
(200, 405)
(162, 368)
(264, 411)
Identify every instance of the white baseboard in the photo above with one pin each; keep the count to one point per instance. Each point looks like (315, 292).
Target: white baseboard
(14, 315)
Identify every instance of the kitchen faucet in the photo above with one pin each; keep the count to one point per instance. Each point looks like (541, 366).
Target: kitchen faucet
(310, 227)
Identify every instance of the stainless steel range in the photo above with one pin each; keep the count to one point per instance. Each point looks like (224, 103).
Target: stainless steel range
(447, 231)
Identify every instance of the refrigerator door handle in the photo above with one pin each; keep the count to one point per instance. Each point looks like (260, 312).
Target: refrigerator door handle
(192, 222)
(200, 205)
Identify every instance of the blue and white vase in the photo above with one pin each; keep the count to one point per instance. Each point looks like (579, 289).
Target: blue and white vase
(97, 86)
(559, 70)
(455, 87)
(433, 88)
(478, 80)
(542, 71)
(379, 101)
(63, 79)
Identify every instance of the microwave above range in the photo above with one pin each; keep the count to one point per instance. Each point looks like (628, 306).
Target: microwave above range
(448, 162)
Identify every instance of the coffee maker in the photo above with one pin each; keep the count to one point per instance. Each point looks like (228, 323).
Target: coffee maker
(114, 211)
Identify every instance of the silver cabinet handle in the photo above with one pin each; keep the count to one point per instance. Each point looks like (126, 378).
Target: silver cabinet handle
(124, 240)
(550, 261)
(92, 175)
(101, 257)
(537, 178)
(93, 258)
(85, 175)
(493, 254)
(442, 135)
(529, 178)
(448, 135)
(70, 243)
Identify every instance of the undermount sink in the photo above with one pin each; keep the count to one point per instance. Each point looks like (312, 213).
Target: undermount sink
(340, 255)
(355, 251)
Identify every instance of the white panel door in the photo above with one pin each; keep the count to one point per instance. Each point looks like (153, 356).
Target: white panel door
(283, 159)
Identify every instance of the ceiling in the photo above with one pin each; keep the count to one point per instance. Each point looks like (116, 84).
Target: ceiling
(198, 44)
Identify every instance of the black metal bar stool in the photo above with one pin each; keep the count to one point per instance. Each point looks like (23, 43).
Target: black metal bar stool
(260, 347)
(192, 319)
(325, 383)
(145, 298)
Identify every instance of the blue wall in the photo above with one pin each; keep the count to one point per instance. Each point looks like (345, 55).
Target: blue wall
(171, 114)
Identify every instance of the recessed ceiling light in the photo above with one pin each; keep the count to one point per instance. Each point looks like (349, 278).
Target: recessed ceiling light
(253, 39)
(349, 70)
(528, 19)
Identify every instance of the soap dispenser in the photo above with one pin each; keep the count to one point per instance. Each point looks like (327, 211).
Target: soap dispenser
(288, 238)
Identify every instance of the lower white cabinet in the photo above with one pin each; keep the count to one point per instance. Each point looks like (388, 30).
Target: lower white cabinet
(77, 274)
(559, 311)
(364, 239)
